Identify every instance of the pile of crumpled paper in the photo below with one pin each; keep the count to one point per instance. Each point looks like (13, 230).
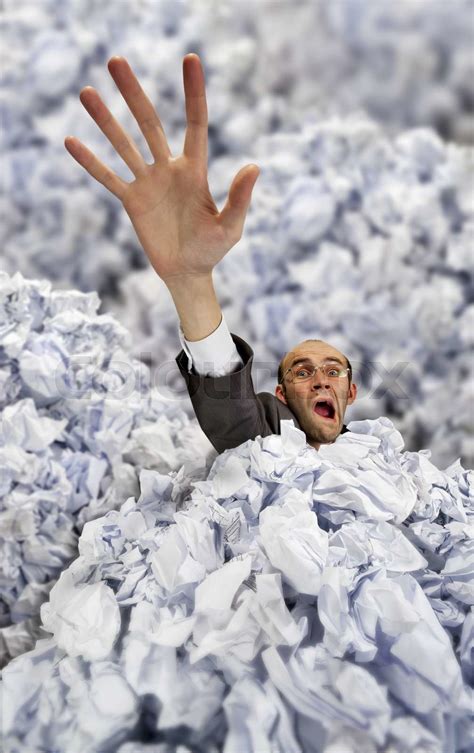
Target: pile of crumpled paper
(293, 600)
(79, 420)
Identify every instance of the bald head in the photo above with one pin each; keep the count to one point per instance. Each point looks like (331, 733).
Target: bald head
(321, 426)
(327, 348)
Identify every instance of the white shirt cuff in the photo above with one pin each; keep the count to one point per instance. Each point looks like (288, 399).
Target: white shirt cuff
(214, 355)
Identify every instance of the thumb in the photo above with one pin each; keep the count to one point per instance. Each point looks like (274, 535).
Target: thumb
(232, 217)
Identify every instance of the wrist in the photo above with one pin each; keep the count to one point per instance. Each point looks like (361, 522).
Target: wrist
(187, 283)
(196, 304)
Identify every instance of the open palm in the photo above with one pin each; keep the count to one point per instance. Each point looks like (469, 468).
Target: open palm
(169, 202)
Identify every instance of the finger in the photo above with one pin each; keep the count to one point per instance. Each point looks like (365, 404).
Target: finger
(232, 217)
(118, 137)
(195, 142)
(95, 167)
(140, 106)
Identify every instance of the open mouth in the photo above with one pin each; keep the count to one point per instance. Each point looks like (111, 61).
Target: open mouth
(325, 408)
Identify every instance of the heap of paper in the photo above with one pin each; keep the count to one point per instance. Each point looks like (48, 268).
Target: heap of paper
(294, 600)
(79, 420)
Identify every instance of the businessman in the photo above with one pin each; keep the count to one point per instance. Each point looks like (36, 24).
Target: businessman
(185, 236)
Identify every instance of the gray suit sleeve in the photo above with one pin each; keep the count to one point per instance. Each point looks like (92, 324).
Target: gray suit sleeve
(227, 407)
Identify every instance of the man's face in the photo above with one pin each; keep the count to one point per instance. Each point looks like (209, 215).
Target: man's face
(301, 397)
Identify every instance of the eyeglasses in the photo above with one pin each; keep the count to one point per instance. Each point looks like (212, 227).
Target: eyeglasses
(303, 373)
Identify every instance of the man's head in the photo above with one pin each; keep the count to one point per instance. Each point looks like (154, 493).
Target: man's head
(303, 396)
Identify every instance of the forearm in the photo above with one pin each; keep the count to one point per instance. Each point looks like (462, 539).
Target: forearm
(227, 408)
(196, 303)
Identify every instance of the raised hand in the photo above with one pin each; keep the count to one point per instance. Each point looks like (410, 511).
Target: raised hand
(169, 202)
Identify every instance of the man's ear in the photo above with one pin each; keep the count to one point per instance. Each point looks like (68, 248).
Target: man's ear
(352, 394)
(280, 394)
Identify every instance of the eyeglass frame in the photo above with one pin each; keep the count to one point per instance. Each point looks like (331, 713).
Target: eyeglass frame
(347, 369)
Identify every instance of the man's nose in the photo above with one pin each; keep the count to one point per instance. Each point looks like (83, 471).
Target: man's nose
(319, 379)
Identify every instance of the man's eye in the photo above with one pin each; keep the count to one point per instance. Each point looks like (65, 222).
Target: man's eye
(333, 372)
(302, 372)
